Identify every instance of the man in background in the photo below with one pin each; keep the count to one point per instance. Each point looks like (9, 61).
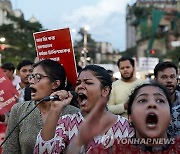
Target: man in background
(24, 69)
(9, 69)
(166, 73)
(121, 89)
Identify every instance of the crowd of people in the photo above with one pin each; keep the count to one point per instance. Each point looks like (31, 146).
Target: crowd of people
(47, 76)
(126, 115)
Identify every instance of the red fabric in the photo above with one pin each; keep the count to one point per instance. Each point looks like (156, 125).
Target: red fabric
(2, 134)
(8, 93)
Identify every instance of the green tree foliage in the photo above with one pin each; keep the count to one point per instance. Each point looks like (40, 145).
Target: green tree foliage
(140, 13)
(19, 38)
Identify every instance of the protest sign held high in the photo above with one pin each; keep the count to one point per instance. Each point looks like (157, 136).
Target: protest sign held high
(57, 45)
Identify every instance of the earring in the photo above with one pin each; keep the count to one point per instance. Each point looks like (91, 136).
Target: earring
(55, 85)
(131, 124)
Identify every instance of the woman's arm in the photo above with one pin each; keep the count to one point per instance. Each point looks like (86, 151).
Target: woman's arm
(49, 127)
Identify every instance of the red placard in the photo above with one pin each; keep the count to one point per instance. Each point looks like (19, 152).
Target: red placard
(8, 93)
(57, 45)
(2, 134)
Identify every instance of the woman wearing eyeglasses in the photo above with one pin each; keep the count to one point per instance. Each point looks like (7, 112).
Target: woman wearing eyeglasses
(47, 77)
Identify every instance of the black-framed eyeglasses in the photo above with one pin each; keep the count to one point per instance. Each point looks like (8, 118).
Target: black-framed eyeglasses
(37, 77)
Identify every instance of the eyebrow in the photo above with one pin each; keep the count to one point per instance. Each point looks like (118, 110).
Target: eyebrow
(169, 74)
(84, 79)
(146, 94)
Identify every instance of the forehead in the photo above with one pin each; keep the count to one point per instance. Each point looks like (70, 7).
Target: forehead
(125, 63)
(26, 67)
(150, 90)
(38, 69)
(167, 71)
(5, 70)
(86, 74)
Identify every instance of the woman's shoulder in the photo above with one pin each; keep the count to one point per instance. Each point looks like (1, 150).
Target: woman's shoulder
(19, 107)
(72, 117)
(18, 110)
(69, 109)
(122, 119)
(123, 125)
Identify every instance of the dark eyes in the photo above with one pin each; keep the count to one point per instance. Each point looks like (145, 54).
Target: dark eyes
(142, 101)
(160, 101)
(166, 77)
(86, 82)
(146, 100)
(122, 68)
(37, 77)
(25, 70)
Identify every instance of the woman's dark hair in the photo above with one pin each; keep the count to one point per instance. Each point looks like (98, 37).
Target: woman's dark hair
(54, 71)
(101, 74)
(136, 90)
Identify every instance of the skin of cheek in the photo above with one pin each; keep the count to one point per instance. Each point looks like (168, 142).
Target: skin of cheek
(136, 121)
(43, 90)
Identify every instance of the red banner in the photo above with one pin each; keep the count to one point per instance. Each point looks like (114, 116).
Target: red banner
(2, 134)
(8, 93)
(57, 45)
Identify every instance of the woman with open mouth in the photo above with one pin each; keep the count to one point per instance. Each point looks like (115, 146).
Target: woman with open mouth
(93, 88)
(47, 77)
(149, 111)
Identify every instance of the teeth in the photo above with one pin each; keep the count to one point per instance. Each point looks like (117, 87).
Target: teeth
(151, 124)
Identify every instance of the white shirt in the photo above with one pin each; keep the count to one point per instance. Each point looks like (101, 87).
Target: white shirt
(16, 80)
(21, 92)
